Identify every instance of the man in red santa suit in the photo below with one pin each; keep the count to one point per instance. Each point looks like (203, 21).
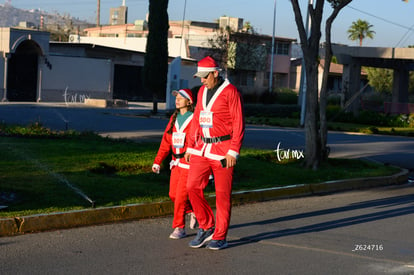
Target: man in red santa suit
(214, 143)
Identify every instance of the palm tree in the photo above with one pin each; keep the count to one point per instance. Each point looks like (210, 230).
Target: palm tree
(360, 30)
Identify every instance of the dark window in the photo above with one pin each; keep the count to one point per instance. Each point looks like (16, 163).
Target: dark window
(281, 48)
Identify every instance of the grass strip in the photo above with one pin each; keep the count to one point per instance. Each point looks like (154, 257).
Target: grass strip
(118, 172)
(334, 126)
(43, 171)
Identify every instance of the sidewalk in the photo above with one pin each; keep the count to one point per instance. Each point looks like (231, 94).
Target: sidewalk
(94, 216)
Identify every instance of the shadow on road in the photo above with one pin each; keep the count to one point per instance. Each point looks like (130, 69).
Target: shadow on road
(404, 204)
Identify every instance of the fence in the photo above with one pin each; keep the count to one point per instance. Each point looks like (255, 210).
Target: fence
(398, 108)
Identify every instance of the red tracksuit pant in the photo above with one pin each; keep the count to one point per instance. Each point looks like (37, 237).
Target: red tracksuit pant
(178, 194)
(200, 170)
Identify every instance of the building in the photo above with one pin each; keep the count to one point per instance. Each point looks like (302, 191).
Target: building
(194, 40)
(118, 16)
(400, 60)
(36, 70)
(249, 62)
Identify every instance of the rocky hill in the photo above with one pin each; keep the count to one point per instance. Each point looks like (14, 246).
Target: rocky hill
(11, 17)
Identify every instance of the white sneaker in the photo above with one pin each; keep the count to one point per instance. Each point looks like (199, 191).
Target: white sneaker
(193, 221)
(178, 233)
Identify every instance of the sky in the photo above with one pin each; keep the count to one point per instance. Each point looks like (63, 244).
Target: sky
(392, 20)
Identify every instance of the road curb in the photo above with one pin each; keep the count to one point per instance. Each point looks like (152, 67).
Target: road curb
(359, 183)
(78, 218)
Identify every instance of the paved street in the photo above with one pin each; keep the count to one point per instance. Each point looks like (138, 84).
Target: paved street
(130, 123)
(358, 232)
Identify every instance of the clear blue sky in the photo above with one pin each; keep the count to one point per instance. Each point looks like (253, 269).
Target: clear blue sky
(392, 20)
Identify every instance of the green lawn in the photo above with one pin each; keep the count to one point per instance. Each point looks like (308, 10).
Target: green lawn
(335, 126)
(51, 172)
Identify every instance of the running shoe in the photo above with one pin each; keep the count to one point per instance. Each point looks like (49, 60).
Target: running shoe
(217, 244)
(178, 233)
(203, 236)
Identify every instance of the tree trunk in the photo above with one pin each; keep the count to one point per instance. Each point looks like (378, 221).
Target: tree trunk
(310, 49)
(324, 85)
(312, 152)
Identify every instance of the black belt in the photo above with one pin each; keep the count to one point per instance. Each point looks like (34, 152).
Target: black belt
(178, 156)
(215, 139)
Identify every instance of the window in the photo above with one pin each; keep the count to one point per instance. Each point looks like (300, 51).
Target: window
(247, 78)
(281, 48)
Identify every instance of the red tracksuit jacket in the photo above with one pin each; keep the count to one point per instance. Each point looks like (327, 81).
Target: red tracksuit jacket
(227, 119)
(174, 142)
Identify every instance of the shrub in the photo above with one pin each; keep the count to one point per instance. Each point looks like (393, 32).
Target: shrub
(268, 98)
(374, 130)
(336, 113)
(334, 99)
(272, 110)
(403, 120)
(372, 118)
(281, 96)
(286, 96)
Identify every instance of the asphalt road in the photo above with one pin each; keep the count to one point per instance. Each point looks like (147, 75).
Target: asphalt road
(130, 123)
(359, 232)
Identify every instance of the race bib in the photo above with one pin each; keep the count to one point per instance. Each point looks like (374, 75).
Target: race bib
(178, 140)
(206, 119)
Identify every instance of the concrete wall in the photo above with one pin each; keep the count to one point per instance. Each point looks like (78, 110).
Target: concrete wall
(10, 39)
(187, 73)
(281, 63)
(1, 76)
(131, 43)
(73, 79)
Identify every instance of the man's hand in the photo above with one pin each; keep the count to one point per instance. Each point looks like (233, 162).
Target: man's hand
(187, 157)
(231, 161)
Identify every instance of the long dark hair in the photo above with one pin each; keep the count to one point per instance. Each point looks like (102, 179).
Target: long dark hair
(190, 108)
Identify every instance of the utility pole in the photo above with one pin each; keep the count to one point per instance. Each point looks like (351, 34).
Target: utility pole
(302, 89)
(182, 27)
(272, 51)
(98, 14)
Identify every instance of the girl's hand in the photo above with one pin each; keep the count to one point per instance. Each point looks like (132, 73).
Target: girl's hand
(156, 168)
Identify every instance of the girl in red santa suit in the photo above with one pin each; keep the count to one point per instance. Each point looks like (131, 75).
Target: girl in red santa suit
(175, 140)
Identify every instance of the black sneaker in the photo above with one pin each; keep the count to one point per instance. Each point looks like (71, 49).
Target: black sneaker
(202, 237)
(217, 244)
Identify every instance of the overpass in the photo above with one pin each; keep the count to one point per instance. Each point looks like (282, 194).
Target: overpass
(400, 60)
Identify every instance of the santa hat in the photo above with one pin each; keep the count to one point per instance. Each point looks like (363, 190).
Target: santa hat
(206, 66)
(186, 93)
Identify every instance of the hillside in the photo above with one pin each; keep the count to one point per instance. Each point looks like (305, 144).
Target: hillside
(11, 17)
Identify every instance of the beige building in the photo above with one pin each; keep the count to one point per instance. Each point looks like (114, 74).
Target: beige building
(193, 40)
(33, 69)
(118, 16)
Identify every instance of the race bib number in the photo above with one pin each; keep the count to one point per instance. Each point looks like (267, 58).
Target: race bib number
(206, 119)
(178, 140)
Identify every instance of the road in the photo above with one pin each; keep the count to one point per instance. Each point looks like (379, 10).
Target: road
(130, 123)
(358, 232)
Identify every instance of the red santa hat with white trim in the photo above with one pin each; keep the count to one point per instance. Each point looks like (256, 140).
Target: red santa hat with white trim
(206, 66)
(186, 93)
